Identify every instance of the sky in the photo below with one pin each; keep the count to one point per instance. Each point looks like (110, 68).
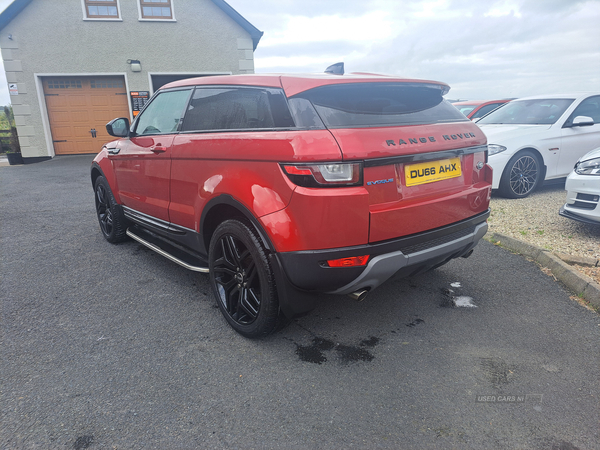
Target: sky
(483, 49)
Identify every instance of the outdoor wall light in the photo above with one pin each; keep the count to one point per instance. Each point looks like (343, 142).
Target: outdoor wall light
(135, 64)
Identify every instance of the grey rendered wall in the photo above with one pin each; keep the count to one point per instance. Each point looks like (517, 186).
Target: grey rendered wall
(52, 38)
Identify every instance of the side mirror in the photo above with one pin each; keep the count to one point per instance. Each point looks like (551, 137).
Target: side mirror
(583, 121)
(118, 127)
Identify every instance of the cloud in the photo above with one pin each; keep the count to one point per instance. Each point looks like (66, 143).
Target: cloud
(307, 8)
(372, 26)
(483, 49)
(502, 48)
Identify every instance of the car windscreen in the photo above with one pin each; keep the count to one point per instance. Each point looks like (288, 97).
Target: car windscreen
(528, 112)
(466, 109)
(380, 104)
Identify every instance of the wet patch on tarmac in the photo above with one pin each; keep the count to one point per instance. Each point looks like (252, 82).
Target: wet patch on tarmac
(83, 442)
(314, 353)
(447, 298)
(415, 322)
(371, 342)
(349, 353)
(557, 444)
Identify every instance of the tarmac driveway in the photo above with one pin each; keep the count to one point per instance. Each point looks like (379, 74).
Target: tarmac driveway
(115, 347)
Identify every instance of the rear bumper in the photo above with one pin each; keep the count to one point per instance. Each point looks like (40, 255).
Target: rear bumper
(405, 256)
(383, 267)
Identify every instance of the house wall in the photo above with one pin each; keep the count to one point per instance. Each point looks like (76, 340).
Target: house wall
(52, 38)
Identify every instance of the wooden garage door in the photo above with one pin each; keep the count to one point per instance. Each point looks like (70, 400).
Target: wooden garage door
(78, 105)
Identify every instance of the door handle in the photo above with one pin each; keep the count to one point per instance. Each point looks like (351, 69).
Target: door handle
(93, 131)
(158, 149)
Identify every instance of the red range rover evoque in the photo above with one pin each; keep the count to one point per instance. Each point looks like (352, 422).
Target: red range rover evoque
(282, 186)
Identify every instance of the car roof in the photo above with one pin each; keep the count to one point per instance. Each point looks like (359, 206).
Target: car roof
(294, 84)
(480, 102)
(573, 95)
(469, 103)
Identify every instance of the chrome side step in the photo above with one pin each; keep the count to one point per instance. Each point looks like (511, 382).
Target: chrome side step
(167, 250)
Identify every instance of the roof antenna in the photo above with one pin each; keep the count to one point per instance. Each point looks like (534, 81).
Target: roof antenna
(336, 69)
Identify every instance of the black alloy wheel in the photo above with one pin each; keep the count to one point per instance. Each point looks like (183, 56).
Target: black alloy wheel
(110, 216)
(521, 175)
(242, 280)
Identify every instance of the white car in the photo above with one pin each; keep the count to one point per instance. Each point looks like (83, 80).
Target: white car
(583, 190)
(539, 138)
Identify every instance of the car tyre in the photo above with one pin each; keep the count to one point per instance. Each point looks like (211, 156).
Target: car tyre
(110, 215)
(242, 280)
(522, 175)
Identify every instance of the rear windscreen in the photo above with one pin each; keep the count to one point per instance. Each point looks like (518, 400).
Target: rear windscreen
(380, 104)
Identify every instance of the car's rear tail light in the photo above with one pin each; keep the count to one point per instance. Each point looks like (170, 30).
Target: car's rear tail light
(298, 170)
(333, 173)
(325, 175)
(354, 261)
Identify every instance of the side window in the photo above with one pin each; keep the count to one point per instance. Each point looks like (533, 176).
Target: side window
(163, 114)
(237, 108)
(485, 109)
(304, 114)
(590, 107)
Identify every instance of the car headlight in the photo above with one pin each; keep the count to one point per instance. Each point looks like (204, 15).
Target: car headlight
(495, 148)
(589, 167)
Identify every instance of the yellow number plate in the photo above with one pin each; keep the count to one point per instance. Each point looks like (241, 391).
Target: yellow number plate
(428, 172)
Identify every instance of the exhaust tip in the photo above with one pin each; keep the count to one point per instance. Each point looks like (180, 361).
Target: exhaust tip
(359, 295)
(469, 253)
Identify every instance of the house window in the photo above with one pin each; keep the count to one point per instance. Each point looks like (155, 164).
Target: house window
(106, 9)
(64, 84)
(156, 9)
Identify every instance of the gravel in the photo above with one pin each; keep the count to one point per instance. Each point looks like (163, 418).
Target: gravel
(535, 220)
